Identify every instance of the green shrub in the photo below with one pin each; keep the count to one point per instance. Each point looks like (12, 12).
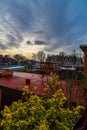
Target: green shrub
(25, 69)
(40, 113)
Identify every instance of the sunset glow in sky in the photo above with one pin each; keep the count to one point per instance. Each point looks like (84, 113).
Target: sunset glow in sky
(29, 26)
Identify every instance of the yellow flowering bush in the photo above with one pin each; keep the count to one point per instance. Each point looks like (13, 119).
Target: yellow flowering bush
(53, 84)
(40, 113)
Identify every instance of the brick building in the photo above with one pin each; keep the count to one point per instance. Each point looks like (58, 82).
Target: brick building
(6, 60)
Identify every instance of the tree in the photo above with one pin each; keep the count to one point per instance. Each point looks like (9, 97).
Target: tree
(62, 53)
(34, 56)
(41, 56)
(62, 57)
(19, 58)
(74, 56)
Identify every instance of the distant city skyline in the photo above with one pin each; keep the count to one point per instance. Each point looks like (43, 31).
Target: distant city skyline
(52, 26)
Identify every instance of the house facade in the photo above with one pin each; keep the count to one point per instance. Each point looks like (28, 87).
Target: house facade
(6, 60)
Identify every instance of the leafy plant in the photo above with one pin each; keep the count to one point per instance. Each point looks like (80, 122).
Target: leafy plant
(40, 113)
(52, 85)
(25, 69)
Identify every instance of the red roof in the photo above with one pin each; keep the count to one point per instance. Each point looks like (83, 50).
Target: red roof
(18, 80)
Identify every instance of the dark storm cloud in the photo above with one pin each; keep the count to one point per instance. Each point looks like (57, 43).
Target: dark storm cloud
(67, 22)
(61, 23)
(28, 43)
(21, 13)
(37, 42)
(16, 19)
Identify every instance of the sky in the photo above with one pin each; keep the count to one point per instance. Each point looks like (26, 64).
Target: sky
(52, 26)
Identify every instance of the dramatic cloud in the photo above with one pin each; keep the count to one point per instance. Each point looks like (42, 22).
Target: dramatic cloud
(37, 42)
(28, 43)
(58, 24)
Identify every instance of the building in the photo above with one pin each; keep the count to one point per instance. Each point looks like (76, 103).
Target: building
(65, 60)
(11, 86)
(6, 60)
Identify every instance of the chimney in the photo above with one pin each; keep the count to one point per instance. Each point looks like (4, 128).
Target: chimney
(27, 82)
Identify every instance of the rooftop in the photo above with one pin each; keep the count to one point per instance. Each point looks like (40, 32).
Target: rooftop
(18, 80)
